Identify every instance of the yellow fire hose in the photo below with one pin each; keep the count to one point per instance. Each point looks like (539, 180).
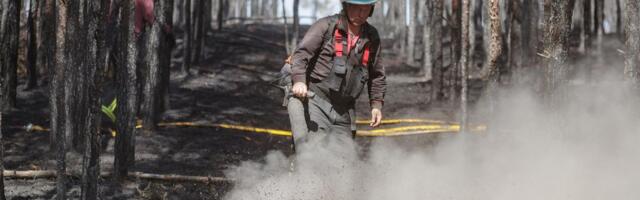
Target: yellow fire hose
(434, 126)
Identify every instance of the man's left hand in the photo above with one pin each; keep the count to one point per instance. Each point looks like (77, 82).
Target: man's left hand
(376, 117)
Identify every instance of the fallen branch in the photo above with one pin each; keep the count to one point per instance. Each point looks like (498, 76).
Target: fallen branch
(46, 174)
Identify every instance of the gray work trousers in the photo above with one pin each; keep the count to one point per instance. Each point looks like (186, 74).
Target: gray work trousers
(324, 119)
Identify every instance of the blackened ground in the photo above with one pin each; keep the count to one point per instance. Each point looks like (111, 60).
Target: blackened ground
(231, 85)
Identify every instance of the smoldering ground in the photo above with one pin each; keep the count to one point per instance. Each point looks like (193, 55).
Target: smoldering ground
(582, 146)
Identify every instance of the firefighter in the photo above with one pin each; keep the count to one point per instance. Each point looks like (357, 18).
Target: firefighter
(336, 60)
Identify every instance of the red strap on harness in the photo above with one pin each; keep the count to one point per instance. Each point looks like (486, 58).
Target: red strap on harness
(365, 56)
(339, 48)
(338, 43)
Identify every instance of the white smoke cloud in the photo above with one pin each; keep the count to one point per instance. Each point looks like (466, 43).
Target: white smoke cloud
(585, 146)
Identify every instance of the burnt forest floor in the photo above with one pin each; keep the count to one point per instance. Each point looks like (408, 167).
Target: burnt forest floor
(230, 85)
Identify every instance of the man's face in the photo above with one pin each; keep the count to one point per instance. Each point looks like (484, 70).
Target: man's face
(358, 14)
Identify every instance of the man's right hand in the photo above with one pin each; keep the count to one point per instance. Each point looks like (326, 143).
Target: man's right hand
(299, 90)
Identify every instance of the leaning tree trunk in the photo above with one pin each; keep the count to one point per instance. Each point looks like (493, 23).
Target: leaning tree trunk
(58, 108)
(32, 55)
(9, 54)
(556, 42)
(187, 40)
(464, 64)
(124, 149)
(632, 42)
(435, 8)
(95, 61)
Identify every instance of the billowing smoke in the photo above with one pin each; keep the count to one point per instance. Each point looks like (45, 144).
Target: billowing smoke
(584, 145)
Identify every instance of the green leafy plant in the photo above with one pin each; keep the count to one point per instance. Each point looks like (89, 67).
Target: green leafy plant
(110, 110)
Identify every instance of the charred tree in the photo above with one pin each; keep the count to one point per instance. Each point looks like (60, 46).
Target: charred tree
(151, 89)
(435, 21)
(221, 10)
(187, 40)
(413, 23)
(2, 196)
(32, 55)
(59, 110)
(490, 69)
(10, 31)
(95, 61)
(464, 64)
(47, 26)
(514, 24)
(598, 24)
(587, 28)
(556, 41)
(618, 17)
(124, 149)
(456, 50)
(287, 42)
(296, 25)
(426, 41)
(632, 42)
(167, 44)
(200, 29)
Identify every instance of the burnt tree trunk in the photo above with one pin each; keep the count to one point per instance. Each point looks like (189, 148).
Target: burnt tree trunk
(514, 37)
(47, 26)
(490, 70)
(296, 25)
(287, 42)
(187, 40)
(124, 149)
(200, 27)
(598, 24)
(151, 91)
(632, 42)
(456, 51)
(2, 196)
(587, 28)
(411, 35)
(58, 109)
(556, 42)
(435, 39)
(32, 55)
(426, 41)
(167, 44)
(618, 17)
(464, 64)
(221, 10)
(95, 62)
(9, 54)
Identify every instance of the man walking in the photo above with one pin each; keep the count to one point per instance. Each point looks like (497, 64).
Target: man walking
(337, 57)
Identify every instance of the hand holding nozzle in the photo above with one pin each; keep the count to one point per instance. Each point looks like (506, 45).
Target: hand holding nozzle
(300, 90)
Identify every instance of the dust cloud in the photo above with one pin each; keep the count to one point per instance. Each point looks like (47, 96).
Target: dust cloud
(586, 145)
